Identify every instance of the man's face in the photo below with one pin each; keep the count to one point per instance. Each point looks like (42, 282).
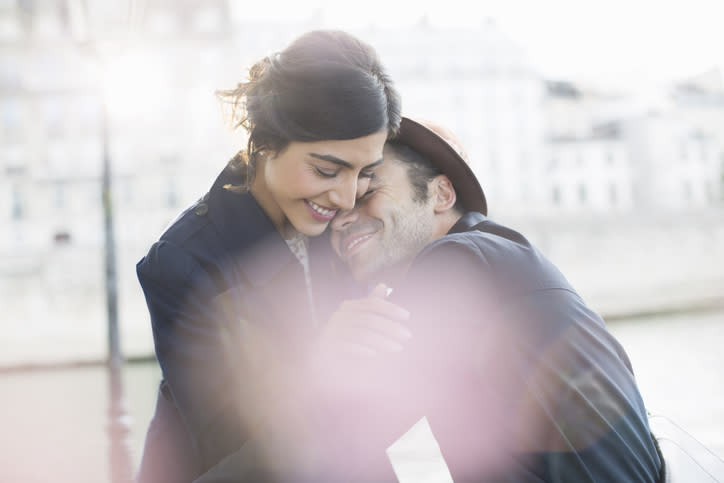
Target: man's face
(386, 229)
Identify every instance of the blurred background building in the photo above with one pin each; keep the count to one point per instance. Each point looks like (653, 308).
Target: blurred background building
(621, 186)
(554, 155)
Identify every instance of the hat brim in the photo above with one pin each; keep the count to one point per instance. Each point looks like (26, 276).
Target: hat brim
(441, 154)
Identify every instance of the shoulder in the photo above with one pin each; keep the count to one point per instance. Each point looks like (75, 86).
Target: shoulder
(172, 256)
(455, 260)
(221, 220)
(489, 236)
(166, 260)
(485, 243)
(505, 256)
(218, 226)
(187, 224)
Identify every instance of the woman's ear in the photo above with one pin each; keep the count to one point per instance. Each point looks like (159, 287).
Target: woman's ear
(443, 194)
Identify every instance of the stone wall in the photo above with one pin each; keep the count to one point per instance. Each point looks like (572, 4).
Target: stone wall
(637, 263)
(53, 303)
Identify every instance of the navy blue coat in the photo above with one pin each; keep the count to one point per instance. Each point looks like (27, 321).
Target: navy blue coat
(519, 379)
(220, 262)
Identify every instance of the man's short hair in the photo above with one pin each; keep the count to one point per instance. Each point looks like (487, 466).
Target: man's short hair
(443, 149)
(420, 171)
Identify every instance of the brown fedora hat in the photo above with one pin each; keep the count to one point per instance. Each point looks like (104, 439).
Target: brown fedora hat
(443, 149)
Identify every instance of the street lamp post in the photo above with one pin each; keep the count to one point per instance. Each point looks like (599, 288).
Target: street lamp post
(111, 283)
(118, 424)
(118, 427)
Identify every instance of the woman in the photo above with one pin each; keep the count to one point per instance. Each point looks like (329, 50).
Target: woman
(234, 271)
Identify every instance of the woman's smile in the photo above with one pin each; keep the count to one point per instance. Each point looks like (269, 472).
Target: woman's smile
(319, 212)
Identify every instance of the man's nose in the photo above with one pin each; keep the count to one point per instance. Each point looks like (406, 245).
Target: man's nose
(344, 218)
(344, 195)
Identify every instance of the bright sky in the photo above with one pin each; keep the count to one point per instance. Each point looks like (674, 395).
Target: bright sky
(612, 41)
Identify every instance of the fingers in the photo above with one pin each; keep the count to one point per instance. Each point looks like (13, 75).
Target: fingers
(381, 291)
(376, 333)
(367, 327)
(374, 314)
(383, 326)
(375, 305)
(369, 346)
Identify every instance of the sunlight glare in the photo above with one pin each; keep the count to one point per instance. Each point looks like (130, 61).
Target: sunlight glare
(133, 84)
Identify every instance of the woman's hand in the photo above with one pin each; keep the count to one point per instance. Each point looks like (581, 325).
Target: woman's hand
(364, 328)
(355, 356)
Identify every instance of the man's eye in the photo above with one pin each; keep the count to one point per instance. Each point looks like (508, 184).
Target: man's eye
(367, 174)
(326, 173)
(366, 194)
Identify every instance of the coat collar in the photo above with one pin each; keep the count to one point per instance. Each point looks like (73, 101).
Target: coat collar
(248, 232)
(468, 221)
(257, 249)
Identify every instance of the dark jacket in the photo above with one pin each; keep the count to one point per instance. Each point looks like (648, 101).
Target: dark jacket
(218, 275)
(520, 380)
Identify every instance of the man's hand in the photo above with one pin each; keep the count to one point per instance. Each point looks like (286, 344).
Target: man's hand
(364, 328)
(347, 360)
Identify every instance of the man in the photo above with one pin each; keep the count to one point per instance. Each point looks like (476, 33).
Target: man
(518, 378)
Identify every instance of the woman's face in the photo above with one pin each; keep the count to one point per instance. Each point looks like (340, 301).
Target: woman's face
(305, 184)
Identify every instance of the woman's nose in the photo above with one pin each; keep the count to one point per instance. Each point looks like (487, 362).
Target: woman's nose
(344, 195)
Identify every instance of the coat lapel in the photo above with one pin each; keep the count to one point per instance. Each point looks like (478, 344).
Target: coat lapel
(264, 280)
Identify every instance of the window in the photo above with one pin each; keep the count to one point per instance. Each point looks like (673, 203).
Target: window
(27, 5)
(523, 159)
(47, 23)
(582, 193)
(710, 192)
(703, 151)
(493, 160)
(16, 204)
(61, 237)
(613, 194)
(171, 195)
(683, 151)
(687, 191)
(95, 193)
(10, 69)
(207, 20)
(15, 170)
(556, 195)
(162, 23)
(59, 196)
(87, 112)
(126, 188)
(53, 117)
(10, 118)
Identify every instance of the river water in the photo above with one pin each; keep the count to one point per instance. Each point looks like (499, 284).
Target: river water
(53, 422)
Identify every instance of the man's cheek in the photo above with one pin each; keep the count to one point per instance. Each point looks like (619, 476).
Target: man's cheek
(334, 241)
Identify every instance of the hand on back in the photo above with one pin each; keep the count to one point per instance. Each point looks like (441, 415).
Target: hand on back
(365, 328)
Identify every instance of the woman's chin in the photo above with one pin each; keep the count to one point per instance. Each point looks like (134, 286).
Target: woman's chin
(311, 229)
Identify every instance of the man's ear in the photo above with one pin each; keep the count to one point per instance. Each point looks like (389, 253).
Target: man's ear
(443, 194)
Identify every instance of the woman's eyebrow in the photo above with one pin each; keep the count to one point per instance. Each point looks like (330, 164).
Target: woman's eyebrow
(331, 159)
(375, 163)
(341, 162)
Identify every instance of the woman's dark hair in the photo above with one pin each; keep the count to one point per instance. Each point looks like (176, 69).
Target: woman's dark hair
(326, 85)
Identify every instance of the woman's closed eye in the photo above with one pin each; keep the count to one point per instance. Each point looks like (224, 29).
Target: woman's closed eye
(326, 172)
